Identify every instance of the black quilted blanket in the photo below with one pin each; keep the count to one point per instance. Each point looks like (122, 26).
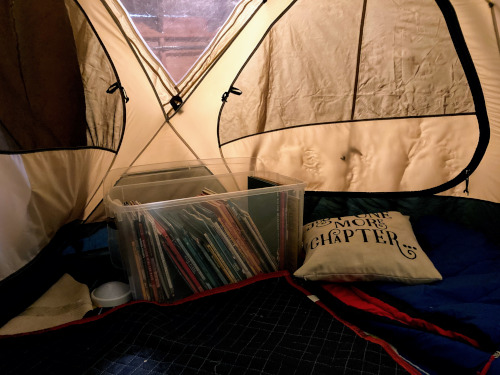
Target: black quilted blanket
(264, 326)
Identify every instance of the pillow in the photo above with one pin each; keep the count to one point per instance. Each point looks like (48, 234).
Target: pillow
(377, 246)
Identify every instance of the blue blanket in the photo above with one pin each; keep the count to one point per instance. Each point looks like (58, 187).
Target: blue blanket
(466, 301)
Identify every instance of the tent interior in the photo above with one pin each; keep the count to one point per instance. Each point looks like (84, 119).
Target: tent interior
(375, 106)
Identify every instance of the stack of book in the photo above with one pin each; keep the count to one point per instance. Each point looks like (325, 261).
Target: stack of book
(178, 252)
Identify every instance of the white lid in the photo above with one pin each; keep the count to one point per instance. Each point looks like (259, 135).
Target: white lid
(111, 294)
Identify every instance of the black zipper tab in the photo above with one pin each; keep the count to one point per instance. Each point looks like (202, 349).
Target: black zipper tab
(232, 90)
(467, 174)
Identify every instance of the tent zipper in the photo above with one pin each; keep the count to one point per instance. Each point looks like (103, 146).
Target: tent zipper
(487, 366)
(232, 90)
(115, 86)
(467, 175)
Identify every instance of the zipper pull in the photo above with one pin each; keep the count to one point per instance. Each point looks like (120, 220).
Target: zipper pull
(487, 366)
(467, 174)
(232, 90)
(115, 86)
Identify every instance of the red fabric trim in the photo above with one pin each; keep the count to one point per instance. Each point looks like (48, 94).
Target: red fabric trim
(221, 289)
(488, 364)
(486, 367)
(387, 347)
(354, 297)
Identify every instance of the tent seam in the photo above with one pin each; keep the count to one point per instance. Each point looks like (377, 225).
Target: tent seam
(358, 59)
(494, 20)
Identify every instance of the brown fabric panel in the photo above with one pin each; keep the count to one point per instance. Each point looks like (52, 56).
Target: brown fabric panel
(409, 65)
(42, 97)
(104, 112)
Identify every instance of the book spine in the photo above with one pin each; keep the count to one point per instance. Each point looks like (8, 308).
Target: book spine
(145, 266)
(151, 270)
(140, 271)
(283, 196)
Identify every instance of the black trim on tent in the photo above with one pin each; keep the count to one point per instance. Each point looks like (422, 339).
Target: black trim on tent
(477, 96)
(22, 152)
(358, 59)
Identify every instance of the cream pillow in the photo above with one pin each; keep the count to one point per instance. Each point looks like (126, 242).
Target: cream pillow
(377, 246)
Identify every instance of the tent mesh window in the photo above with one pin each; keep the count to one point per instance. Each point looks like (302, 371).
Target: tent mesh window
(178, 31)
(313, 67)
(55, 76)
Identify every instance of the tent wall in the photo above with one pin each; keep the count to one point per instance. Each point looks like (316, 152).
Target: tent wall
(51, 188)
(56, 187)
(145, 114)
(389, 93)
(436, 163)
(369, 155)
(448, 144)
(196, 120)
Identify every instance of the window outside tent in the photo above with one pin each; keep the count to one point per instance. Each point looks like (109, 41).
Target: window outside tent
(178, 31)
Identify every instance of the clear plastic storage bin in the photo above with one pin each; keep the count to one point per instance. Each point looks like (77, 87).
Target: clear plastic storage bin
(181, 235)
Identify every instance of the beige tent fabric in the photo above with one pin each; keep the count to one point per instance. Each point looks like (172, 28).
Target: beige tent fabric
(241, 14)
(15, 192)
(66, 301)
(162, 82)
(378, 156)
(302, 73)
(196, 122)
(409, 65)
(198, 118)
(145, 116)
(306, 70)
(391, 155)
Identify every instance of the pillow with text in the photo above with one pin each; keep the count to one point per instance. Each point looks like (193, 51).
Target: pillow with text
(375, 246)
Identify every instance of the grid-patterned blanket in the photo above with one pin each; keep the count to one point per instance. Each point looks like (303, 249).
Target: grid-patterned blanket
(263, 326)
